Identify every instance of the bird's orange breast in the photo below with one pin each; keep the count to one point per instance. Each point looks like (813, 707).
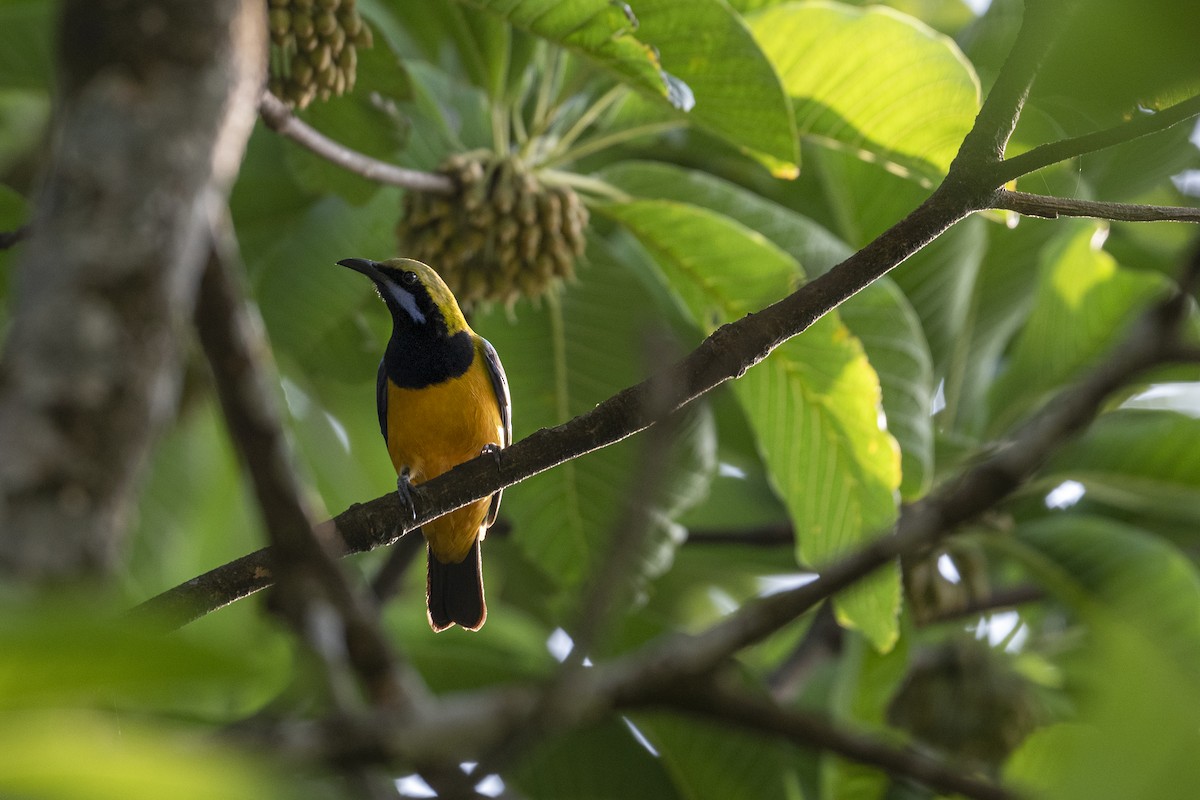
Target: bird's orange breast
(432, 429)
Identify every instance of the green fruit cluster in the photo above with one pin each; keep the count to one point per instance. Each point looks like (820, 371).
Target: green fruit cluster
(314, 48)
(503, 234)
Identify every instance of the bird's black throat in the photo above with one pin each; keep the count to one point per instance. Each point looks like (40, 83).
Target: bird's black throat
(421, 356)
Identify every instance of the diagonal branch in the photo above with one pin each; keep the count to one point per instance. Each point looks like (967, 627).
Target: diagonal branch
(279, 118)
(721, 702)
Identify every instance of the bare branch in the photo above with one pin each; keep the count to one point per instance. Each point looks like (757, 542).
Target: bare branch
(1036, 205)
(10, 239)
(279, 118)
(1047, 154)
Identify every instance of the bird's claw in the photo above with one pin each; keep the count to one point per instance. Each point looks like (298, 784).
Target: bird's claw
(492, 449)
(404, 490)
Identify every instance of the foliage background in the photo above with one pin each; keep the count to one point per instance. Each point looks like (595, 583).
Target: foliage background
(814, 126)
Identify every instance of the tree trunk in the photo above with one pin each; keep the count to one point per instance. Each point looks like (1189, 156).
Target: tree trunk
(156, 101)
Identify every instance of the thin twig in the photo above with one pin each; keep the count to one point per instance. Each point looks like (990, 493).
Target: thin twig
(1036, 205)
(1054, 152)
(721, 702)
(279, 118)
(9, 239)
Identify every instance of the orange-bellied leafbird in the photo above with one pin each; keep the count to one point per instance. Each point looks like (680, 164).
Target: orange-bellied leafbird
(442, 399)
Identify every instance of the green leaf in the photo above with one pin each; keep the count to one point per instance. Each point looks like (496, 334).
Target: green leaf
(872, 80)
(1142, 460)
(69, 651)
(939, 281)
(707, 761)
(562, 358)
(580, 765)
(813, 403)
(1001, 296)
(882, 319)
(1083, 303)
(1116, 58)
(1136, 578)
(1134, 681)
(597, 29)
(75, 755)
(864, 685)
(812, 245)
(738, 94)
(27, 44)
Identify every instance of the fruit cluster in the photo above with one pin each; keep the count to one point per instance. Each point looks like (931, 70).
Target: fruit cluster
(314, 48)
(503, 234)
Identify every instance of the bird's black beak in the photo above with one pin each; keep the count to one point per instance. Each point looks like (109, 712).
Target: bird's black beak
(363, 265)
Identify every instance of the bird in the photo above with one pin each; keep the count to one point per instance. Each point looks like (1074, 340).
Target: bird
(442, 398)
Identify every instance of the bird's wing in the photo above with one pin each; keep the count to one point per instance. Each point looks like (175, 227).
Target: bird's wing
(500, 385)
(381, 400)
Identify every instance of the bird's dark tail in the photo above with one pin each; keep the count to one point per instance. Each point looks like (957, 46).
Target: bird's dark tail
(454, 592)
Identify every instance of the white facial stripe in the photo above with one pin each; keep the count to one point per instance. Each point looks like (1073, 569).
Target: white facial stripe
(406, 301)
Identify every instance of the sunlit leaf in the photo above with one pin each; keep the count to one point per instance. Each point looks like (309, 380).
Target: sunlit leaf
(602, 31)
(1146, 461)
(1083, 302)
(814, 403)
(872, 80)
(738, 94)
(81, 756)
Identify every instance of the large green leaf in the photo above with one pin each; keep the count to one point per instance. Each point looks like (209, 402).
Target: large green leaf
(738, 94)
(1134, 681)
(1143, 460)
(707, 761)
(872, 80)
(803, 239)
(27, 44)
(601, 762)
(597, 29)
(1083, 302)
(890, 332)
(562, 357)
(880, 316)
(864, 686)
(1001, 296)
(73, 755)
(813, 404)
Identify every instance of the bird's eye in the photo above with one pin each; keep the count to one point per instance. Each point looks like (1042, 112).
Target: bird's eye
(409, 278)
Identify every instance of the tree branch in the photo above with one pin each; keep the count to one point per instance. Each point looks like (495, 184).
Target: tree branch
(1036, 205)
(11, 238)
(1054, 152)
(721, 702)
(279, 118)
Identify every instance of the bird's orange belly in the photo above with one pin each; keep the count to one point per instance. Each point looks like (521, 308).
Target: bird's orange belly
(433, 429)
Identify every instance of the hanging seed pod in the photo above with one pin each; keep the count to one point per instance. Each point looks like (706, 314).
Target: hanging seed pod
(501, 235)
(314, 48)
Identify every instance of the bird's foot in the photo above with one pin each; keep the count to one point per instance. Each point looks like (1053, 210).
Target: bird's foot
(492, 449)
(404, 490)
